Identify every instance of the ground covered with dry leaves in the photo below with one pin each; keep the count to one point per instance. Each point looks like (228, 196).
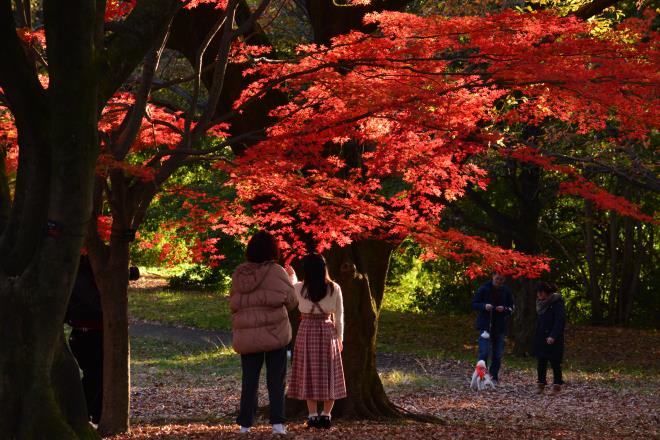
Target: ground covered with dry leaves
(186, 385)
(201, 402)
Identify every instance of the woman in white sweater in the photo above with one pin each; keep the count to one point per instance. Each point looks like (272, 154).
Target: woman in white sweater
(317, 374)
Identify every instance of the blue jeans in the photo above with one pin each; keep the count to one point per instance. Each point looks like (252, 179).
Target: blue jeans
(492, 347)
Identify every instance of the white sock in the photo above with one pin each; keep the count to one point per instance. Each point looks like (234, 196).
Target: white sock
(313, 415)
(326, 414)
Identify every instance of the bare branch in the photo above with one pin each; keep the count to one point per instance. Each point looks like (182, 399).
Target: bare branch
(131, 124)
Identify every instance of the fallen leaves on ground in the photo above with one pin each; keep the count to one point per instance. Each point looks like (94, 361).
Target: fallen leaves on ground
(585, 408)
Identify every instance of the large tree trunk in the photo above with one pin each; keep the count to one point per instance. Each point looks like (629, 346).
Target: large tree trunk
(40, 391)
(361, 269)
(524, 316)
(527, 187)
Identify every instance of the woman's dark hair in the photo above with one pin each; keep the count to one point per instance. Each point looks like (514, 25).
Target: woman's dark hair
(543, 286)
(262, 247)
(317, 280)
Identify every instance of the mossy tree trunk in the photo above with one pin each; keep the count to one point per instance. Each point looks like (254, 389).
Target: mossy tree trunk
(40, 392)
(44, 219)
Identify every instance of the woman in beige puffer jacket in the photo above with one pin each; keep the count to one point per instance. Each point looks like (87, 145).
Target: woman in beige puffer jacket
(261, 294)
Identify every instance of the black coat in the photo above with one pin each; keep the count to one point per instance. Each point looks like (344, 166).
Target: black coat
(492, 321)
(550, 324)
(84, 308)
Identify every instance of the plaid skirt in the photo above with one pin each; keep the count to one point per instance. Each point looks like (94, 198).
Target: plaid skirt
(317, 372)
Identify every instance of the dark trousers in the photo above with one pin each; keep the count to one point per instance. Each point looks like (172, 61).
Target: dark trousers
(87, 348)
(542, 370)
(275, 381)
(492, 347)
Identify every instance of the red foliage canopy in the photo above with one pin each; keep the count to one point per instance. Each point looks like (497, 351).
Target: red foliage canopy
(381, 129)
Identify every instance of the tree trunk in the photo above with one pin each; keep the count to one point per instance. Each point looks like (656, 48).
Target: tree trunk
(110, 266)
(614, 254)
(112, 281)
(361, 269)
(630, 268)
(590, 255)
(524, 317)
(634, 280)
(42, 397)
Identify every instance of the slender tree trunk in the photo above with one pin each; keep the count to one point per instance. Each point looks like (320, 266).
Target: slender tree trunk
(5, 197)
(112, 281)
(110, 264)
(361, 269)
(614, 274)
(634, 281)
(630, 268)
(590, 253)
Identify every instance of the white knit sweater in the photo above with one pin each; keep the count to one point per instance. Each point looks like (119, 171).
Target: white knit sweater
(331, 303)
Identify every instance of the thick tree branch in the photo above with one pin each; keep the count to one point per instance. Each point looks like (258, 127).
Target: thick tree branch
(18, 76)
(587, 11)
(126, 48)
(131, 124)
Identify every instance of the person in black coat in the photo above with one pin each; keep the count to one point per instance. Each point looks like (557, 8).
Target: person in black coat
(494, 302)
(549, 336)
(85, 317)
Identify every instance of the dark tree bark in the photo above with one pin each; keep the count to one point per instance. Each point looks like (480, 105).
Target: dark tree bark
(330, 18)
(40, 392)
(593, 288)
(361, 270)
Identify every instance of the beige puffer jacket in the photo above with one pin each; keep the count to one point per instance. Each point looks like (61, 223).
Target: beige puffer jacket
(260, 295)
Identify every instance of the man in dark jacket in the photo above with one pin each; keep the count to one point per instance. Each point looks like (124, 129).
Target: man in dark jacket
(494, 303)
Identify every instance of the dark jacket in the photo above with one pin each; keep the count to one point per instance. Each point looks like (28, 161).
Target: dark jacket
(492, 321)
(84, 308)
(550, 324)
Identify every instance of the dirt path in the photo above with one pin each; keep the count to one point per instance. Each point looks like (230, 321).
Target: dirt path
(205, 338)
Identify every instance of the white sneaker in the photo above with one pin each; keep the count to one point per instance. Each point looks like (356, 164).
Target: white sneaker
(279, 428)
(244, 430)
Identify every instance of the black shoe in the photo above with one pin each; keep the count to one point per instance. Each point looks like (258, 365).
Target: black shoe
(312, 422)
(324, 422)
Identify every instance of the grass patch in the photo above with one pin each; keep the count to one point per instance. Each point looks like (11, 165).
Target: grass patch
(206, 310)
(393, 380)
(612, 353)
(156, 357)
(604, 353)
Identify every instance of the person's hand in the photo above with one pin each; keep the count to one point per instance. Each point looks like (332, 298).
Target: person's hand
(489, 307)
(341, 345)
(499, 308)
(289, 270)
(550, 341)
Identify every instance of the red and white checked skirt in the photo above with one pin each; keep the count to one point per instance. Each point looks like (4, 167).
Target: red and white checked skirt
(317, 372)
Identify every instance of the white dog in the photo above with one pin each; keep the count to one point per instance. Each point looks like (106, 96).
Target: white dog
(480, 378)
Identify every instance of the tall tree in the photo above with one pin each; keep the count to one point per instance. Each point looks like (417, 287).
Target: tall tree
(383, 129)
(49, 207)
